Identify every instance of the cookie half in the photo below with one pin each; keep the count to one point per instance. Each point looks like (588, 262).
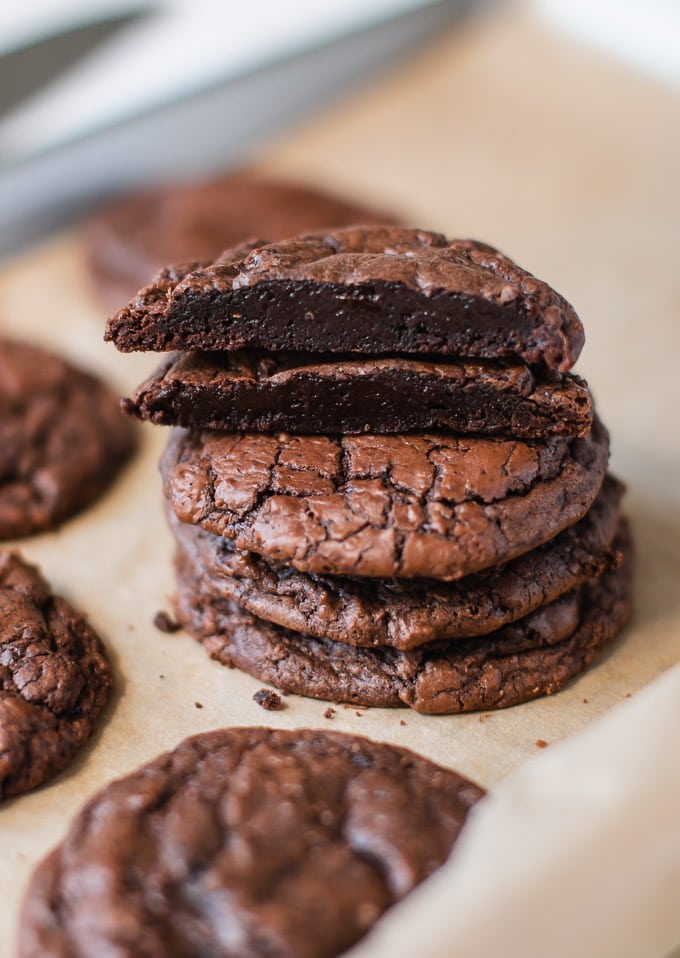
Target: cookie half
(251, 842)
(429, 505)
(133, 237)
(308, 393)
(534, 656)
(62, 439)
(54, 679)
(404, 613)
(365, 290)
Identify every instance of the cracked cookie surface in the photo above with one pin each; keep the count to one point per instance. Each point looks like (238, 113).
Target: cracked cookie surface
(309, 393)
(404, 613)
(408, 505)
(240, 842)
(62, 439)
(135, 236)
(54, 678)
(371, 290)
(534, 656)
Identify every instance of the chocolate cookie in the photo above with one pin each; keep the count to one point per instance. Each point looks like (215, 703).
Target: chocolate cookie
(410, 505)
(134, 237)
(306, 393)
(404, 613)
(368, 290)
(62, 439)
(249, 842)
(534, 656)
(54, 679)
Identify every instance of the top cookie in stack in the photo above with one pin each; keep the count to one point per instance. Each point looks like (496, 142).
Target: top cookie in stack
(371, 410)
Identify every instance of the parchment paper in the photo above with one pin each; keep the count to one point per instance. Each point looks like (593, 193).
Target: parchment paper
(508, 134)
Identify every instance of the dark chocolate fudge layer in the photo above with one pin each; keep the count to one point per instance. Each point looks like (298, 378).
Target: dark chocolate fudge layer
(249, 842)
(534, 656)
(368, 290)
(305, 393)
(54, 679)
(405, 613)
(136, 235)
(62, 439)
(410, 505)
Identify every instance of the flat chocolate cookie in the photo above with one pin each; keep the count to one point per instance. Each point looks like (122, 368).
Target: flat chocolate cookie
(135, 236)
(54, 679)
(62, 439)
(249, 842)
(404, 613)
(368, 290)
(411, 505)
(534, 656)
(307, 393)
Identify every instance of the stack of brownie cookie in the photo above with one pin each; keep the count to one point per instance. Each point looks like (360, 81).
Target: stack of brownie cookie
(385, 485)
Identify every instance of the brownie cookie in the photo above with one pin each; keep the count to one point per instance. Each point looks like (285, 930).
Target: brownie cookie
(62, 439)
(306, 393)
(249, 842)
(405, 613)
(368, 290)
(534, 656)
(133, 237)
(404, 506)
(54, 679)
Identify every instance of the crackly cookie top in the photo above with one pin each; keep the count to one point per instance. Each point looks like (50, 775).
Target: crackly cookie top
(406, 505)
(62, 439)
(54, 678)
(363, 289)
(249, 842)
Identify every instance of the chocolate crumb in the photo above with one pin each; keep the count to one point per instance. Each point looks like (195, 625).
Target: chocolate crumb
(585, 701)
(268, 700)
(402, 722)
(541, 743)
(199, 705)
(161, 676)
(164, 623)
(329, 713)
(358, 714)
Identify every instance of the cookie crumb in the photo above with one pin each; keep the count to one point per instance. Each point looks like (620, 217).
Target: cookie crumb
(268, 700)
(541, 743)
(329, 713)
(358, 714)
(628, 695)
(402, 722)
(585, 701)
(164, 623)
(199, 705)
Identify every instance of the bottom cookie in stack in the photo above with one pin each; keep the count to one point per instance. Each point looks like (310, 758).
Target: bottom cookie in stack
(534, 655)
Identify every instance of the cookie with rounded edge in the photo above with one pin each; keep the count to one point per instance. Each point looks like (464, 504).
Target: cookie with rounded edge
(62, 439)
(405, 613)
(246, 841)
(533, 656)
(54, 679)
(404, 506)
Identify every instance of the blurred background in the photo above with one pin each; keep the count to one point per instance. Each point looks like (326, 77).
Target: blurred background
(98, 96)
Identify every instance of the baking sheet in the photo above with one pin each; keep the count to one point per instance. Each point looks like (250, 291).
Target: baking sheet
(605, 234)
